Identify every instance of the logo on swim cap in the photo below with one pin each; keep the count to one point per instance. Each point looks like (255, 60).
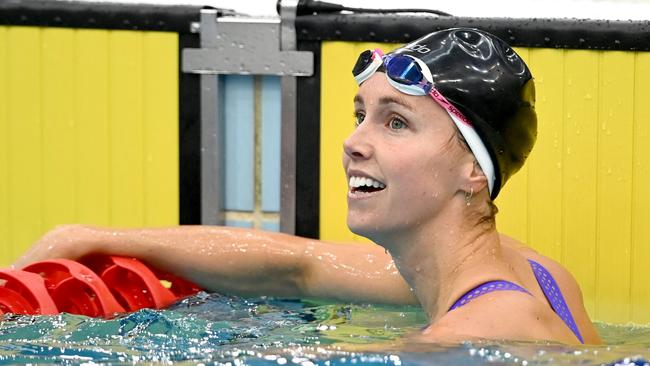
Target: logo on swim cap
(419, 48)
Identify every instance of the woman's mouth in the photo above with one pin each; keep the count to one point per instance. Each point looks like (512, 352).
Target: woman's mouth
(365, 185)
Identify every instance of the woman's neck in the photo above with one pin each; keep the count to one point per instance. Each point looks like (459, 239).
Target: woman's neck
(445, 258)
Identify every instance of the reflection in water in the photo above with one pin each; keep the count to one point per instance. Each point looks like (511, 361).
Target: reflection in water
(262, 331)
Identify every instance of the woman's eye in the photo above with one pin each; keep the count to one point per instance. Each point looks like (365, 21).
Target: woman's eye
(397, 124)
(358, 118)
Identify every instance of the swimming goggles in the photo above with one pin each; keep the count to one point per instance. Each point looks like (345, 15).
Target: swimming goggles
(412, 76)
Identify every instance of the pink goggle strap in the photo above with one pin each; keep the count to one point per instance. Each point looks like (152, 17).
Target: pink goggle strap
(469, 133)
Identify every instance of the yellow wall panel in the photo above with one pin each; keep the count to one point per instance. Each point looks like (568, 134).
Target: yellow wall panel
(86, 118)
(58, 126)
(512, 202)
(640, 250)
(579, 203)
(126, 128)
(614, 189)
(336, 90)
(4, 146)
(545, 169)
(92, 129)
(25, 139)
(160, 114)
(582, 197)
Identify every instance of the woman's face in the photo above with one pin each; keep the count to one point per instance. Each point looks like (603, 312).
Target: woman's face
(402, 161)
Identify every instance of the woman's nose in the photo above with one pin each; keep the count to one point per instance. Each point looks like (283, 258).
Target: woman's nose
(357, 145)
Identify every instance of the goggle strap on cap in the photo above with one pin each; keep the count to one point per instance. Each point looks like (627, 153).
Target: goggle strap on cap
(473, 140)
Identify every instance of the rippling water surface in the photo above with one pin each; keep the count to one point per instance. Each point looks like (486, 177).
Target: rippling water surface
(222, 330)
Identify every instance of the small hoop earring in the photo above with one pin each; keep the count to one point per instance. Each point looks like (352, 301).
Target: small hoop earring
(468, 196)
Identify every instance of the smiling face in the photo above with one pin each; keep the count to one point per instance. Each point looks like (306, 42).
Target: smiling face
(403, 161)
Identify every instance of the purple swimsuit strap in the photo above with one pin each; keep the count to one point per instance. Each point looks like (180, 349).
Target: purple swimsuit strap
(554, 296)
(546, 282)
(486, 288)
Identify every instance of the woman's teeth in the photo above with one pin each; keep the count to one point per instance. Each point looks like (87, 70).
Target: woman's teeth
(363, 182)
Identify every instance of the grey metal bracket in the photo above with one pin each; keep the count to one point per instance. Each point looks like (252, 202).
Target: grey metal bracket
(244, 45)
(289, 84)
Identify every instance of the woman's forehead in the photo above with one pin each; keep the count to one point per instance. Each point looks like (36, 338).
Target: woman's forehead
(377, 91)
(387, 100)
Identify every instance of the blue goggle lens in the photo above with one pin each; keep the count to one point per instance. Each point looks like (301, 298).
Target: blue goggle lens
(404, 70)
(400, 68)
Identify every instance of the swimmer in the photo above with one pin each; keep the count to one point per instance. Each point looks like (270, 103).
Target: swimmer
(441, 124)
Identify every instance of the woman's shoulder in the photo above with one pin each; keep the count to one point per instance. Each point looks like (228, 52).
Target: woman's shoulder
(567, 283)
(503, 315)
(565, 280)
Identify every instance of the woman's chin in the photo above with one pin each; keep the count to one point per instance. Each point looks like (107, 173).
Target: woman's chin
(361, 229)
(372, 231)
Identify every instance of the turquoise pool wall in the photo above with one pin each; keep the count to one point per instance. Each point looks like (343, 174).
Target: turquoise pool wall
(251, 117)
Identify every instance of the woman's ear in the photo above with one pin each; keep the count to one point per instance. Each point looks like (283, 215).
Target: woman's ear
(475, 179)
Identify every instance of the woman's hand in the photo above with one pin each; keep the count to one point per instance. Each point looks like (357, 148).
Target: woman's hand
(66, 241)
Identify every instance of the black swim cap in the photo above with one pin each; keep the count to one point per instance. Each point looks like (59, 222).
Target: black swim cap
(491, 85)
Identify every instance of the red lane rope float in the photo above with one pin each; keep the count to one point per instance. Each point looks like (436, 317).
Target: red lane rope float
(95, 286)
(75, 288)
(24, 293)
(132, 283)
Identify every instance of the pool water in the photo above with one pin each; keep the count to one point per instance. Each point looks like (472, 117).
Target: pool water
(226, 330)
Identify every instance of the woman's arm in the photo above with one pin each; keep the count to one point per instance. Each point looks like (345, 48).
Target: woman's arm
(240, 261)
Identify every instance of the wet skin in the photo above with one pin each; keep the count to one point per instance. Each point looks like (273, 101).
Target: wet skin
(420, 216)
(408, 147)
